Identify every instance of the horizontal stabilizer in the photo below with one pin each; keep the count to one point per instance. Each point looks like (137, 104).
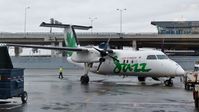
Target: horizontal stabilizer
(81, 27)
(43, 24)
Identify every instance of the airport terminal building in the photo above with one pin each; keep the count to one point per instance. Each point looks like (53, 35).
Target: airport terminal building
(177, 27)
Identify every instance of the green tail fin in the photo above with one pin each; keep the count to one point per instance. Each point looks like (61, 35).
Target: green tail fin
(70, 39)
(69, 33)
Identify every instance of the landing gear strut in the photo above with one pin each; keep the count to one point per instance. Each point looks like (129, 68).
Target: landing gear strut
(169, 82)
(85, 78)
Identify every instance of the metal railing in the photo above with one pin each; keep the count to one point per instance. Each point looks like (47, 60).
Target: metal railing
(95, 35)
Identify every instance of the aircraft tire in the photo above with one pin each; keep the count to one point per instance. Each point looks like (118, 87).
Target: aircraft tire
(168, 83)
(141, 79)
(84, 79)
(24, 97)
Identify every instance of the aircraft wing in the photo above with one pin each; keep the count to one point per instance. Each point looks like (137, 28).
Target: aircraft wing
(49, 47)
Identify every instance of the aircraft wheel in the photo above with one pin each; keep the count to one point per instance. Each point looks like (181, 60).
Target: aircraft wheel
(24, 97)
(84, 79)
(168, 83)
(141, 79)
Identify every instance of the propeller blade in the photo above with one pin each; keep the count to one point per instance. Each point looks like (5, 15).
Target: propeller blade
(107, 44)
(97, 49)
(113, 58)
(99, 66)
(102, 52)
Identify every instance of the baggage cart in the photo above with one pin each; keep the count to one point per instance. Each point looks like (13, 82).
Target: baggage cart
(12, 84)
(11, 79)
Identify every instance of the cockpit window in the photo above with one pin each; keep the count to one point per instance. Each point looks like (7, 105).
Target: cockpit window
(162, 57)
(151, 57)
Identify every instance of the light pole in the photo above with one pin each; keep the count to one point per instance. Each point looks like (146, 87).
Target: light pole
(25, 16)
(121, 12)
(92, 19)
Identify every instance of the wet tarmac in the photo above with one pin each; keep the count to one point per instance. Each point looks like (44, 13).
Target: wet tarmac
(48, 93)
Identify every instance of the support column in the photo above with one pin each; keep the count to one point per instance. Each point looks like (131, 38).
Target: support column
(16, 49)
(53, 52)
(134, 44)
(58, 53)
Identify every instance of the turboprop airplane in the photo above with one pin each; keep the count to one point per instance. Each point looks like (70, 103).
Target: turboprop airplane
(105, 61)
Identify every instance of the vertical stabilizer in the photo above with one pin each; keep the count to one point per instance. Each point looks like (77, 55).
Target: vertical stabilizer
(70, 37)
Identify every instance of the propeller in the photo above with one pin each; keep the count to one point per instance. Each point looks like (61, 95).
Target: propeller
(105, 52)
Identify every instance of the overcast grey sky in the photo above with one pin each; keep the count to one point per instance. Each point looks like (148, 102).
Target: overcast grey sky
(136, 18)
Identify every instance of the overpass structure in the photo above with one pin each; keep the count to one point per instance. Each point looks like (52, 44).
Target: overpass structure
(135, 40)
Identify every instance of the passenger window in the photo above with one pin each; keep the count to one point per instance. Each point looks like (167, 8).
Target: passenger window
(162, 57)
(151, 57)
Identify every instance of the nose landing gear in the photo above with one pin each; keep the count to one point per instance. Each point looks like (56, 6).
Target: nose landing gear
(169, 82)
(142, 80)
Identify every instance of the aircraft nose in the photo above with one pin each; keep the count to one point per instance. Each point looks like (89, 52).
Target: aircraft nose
(180, 71)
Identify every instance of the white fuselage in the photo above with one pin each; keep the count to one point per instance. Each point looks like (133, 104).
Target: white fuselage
(145, 63)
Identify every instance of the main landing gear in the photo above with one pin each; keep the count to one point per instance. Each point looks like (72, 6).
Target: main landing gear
(169, 82)
(142, 80)
(85, 78)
